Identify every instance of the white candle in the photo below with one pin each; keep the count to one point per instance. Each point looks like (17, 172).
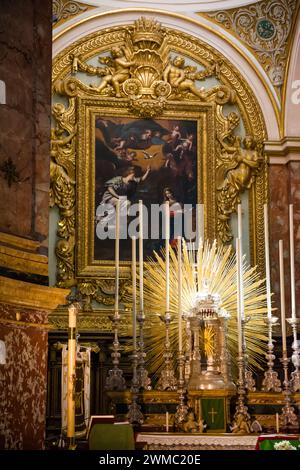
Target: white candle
(240, 227)
(141, 256)
(117, 255)
(167, 421)
(267, 261)
(238, 294)
(292, 262)
(179, 295)
(282, 296)
(167, 225)
(71, 373)
(200, 222)
(240, 236)
(133, 267)
(277, 423)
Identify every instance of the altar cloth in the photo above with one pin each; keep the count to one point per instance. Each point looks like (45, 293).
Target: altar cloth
(178, 441)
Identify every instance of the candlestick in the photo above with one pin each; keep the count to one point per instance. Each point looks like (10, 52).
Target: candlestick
(271, 382)
(141, 255)
(117, 255)
(167, 421)
(134, 410)
(133, 267)
(282, 296)
(179, 295)
(240, 236)
(238, 292)
(277, 423)
(144, 381)
(115, 379)
(267, 261)
(292, 261)
(200, 222)
(71, 376)
(167, 225)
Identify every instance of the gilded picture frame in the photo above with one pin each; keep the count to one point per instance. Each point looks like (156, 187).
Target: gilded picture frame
(88, 262)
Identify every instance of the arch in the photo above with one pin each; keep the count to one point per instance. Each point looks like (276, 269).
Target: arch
(177, 5)
(221, 41)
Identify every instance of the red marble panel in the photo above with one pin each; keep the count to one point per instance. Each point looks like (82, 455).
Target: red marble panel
(279, 227)
(25, 67)
(23, 381)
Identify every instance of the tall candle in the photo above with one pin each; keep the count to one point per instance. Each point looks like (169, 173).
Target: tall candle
(292, 262)
(277, 423)
(267, 261)
(179, 295)
(240, 226)
(238, 294)
(133, 268)
(240, 236)
(282, 296)
(141, 255)
(167, 225)
(117, 255)
(167, 421)
(200, 222)
(71, 373)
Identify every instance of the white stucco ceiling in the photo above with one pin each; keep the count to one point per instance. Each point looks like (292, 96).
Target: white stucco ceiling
(173, 5)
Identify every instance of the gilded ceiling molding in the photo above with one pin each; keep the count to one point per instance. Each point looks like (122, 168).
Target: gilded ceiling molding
(64, 9)
(264, 28)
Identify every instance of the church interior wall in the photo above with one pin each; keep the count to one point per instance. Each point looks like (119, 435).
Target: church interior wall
(25, 68)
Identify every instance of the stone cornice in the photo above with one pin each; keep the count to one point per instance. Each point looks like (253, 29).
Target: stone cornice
(283, 151)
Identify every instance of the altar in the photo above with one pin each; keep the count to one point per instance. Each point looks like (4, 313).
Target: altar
(179, 441)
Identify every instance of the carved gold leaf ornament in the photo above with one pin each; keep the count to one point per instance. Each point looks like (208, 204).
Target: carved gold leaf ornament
(265, 28)
(142, 70)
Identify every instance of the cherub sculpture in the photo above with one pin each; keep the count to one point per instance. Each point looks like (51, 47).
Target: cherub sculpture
(190, 425)
(182, 77)
(115, 73)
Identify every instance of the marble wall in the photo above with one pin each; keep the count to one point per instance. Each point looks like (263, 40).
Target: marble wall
(284, 189)
(25, 67)
(23, 379)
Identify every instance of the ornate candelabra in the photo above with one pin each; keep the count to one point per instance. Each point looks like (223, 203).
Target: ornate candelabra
(295, 376)
(271, 382)
(167, 380)
(115, 379)
(134, 414)
(143, 379)
(241, 415)
(182, 409)
(249, 381)
(288, 412)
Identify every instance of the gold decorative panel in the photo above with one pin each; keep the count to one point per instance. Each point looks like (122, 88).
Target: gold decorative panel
(157, 78)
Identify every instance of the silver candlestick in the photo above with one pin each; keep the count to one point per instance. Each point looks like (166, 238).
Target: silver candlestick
(271, 382)
(144, 381)
(288, 412)
(134, 414)
(249, 381)
(182, 409)
(241, 415)
(115, 379)
(167, 380)
(295, 376)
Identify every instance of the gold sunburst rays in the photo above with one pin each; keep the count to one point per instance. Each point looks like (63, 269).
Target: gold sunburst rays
(215, 270)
